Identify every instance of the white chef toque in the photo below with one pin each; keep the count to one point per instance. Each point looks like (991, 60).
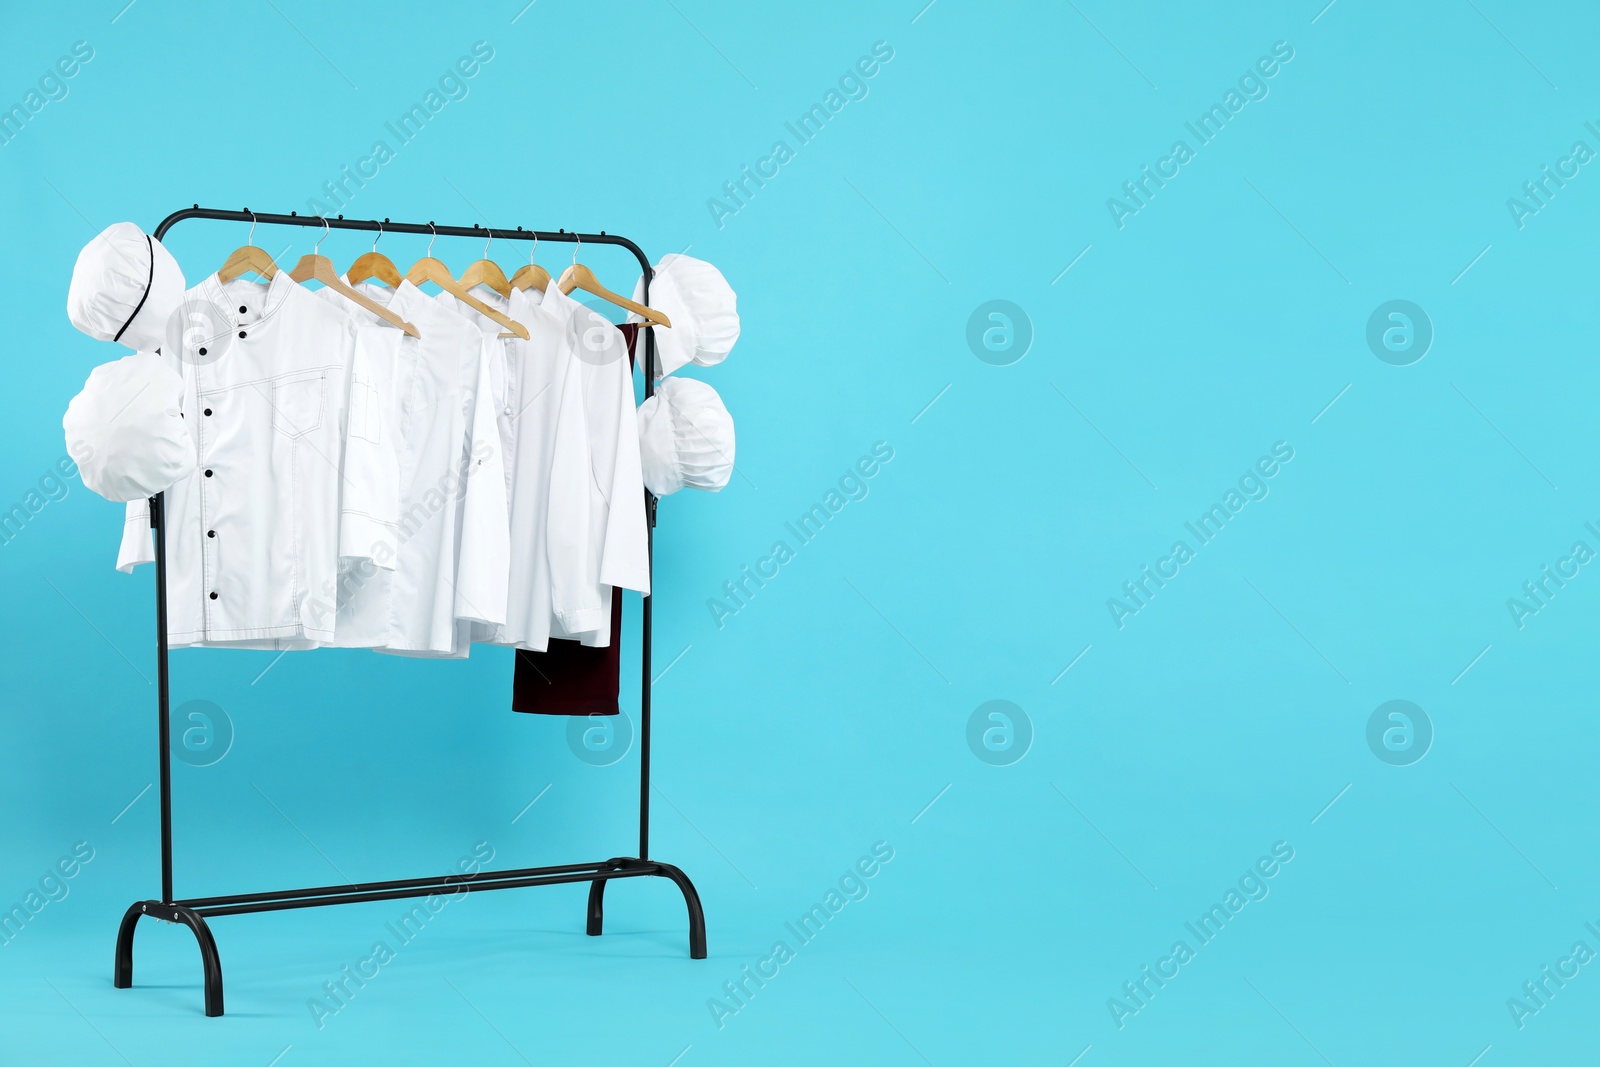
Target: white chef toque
(125, 430)
(703, 309)
(125, 286)
(685, 437)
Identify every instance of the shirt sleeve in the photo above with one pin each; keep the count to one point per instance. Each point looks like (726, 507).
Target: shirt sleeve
(484, 563)
(613, 427)
(571, 532)
(369, 492)
(138, 540)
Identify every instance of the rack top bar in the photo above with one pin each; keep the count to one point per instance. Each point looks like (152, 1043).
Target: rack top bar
(339, 222)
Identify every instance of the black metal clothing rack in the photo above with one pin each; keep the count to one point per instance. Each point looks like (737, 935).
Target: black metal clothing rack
(193, 912)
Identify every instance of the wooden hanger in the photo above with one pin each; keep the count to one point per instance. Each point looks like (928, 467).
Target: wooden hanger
(486, 272)
(578, 276)
(374, 266)
(428, 269)
(248, 259)
(531, 276)
(320, 267)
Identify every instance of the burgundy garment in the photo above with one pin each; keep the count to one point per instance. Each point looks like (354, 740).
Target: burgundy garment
(569, 678)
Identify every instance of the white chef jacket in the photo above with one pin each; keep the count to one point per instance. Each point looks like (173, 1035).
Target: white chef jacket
(539, 412)
(454, 533)
(286, 480)
(614, 543)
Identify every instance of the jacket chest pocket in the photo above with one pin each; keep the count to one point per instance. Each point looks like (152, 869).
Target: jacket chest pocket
(297, 405)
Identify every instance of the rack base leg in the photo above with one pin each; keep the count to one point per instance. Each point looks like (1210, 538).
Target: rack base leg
(595, 923)
(210, 962)
(697, 917)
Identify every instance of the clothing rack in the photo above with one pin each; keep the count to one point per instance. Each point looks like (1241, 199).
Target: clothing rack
(193, 912)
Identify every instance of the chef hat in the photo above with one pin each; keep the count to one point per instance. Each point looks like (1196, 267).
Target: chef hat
(702, 307)
(125, 431)
(685, 438)
(124, 287)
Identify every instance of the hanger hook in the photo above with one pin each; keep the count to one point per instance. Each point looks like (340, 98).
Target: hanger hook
(432, 239)
(252, 238)
(575, 247)
(316, 249)
(378, 238)
(486, 245)
(534, 250)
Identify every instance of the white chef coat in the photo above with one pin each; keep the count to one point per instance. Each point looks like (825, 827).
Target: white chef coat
(281, 489)
(614, 543)
(539, 411)
(454, 535)
(361, 583)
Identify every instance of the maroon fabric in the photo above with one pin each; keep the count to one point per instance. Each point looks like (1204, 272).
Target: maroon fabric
(569, 678)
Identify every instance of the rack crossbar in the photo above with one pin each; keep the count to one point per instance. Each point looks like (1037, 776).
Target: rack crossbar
(412, 887)
(401, 883)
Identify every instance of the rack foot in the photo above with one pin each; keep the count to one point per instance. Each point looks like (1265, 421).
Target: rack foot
(697, 917)
(210, 962)
(594, 925)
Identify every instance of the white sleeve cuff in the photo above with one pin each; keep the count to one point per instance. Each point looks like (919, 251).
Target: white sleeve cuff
(138, 540)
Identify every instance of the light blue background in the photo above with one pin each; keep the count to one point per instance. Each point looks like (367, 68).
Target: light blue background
(831, 712)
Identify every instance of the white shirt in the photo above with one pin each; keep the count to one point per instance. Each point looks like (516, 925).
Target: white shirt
(539, 411)
(454, 533)
(614, 544)
(280, 488)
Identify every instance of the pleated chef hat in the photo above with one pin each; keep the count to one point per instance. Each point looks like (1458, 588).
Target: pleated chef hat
(125, 285)
(125, 432)
(685, 437)
(702, 307)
